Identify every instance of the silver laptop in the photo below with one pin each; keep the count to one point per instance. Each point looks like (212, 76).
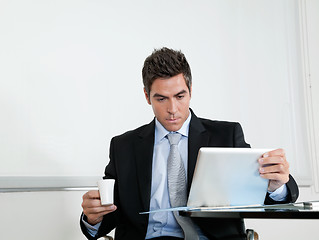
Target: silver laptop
(227, 177)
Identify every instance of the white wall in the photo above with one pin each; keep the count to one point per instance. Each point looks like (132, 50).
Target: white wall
(302, 229)
(55, 215)
(71, 76)
(41, 215)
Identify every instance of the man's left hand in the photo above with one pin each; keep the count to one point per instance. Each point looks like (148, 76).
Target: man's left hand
(274, 166)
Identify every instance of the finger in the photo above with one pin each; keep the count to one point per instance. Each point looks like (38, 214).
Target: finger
(276, 152)
(94, 213)
(104, 208)
(282, 178)
(94, 218)
(100, 210)
(96, 204)
(91, 203)
(93, 194)
(273, 160)
(277, 168)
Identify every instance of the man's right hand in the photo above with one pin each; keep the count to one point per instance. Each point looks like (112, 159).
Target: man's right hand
(93, 209)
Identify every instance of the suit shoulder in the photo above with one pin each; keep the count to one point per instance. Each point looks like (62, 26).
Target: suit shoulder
(224, 133)
(221, 127)
(218, 124)
(131, 134)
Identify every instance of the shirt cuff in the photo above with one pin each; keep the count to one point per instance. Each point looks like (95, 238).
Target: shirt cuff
(92, 229)
(280, 194)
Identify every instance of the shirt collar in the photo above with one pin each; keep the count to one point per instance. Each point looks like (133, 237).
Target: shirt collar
(161, 132)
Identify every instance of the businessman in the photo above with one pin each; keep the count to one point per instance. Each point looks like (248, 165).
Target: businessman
(153, 165)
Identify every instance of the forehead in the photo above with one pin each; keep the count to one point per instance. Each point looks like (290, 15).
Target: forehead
(167, 86)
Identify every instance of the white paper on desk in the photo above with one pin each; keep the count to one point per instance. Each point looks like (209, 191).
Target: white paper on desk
(199, 208)
(167, 210)
(298, 205)
(313, 205)
(242, 207)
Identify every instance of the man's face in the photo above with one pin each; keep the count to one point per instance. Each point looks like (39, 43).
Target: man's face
(170, 98)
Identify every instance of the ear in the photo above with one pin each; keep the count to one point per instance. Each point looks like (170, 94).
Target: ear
(147, 97)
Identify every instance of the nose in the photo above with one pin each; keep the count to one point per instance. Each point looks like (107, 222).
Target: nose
(172, 107)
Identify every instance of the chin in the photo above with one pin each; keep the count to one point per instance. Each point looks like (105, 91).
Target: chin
(173, 128)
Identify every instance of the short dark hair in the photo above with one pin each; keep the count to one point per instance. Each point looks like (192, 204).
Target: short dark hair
(165, 63)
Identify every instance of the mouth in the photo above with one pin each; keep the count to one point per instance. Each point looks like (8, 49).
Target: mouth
(172, 120)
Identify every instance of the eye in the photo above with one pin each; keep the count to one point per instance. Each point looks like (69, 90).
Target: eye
(180, 97)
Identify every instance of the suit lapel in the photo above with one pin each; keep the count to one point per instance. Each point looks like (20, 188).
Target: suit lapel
(197, 138)
(144, 154)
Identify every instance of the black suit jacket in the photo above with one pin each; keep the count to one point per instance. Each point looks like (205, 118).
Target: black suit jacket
(131, 166)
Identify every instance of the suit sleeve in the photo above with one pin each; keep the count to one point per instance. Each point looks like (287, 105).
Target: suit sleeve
(293, 193)
(84, 229)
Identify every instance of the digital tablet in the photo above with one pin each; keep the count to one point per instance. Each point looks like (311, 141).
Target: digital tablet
(227, 177)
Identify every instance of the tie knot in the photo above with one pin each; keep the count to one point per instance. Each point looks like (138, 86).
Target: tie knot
(174, 138)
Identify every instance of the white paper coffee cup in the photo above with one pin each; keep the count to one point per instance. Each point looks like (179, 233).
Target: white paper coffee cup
(106, 187)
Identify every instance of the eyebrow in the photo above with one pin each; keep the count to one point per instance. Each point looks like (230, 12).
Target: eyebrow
(156, 95)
